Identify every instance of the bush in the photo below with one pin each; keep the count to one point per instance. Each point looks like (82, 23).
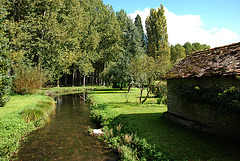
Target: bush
(28, 79)
(160, 89)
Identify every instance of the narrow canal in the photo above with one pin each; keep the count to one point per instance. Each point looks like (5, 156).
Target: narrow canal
(65, 137)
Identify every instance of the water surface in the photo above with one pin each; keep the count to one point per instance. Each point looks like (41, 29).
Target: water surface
(65, 137)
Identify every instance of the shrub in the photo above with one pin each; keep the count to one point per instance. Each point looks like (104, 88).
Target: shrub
(160, 92)
(228, 100)
(162, 99)
(131, 147)
(28, 79)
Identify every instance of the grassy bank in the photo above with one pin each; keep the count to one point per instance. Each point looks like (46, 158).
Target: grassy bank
(67, 90)
(20, 116)
(113, 107)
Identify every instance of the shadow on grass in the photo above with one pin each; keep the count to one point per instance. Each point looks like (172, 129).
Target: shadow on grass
(175, 140)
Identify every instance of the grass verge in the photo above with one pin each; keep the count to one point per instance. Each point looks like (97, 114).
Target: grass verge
(139, 132)
(20, 116)
(54, 91)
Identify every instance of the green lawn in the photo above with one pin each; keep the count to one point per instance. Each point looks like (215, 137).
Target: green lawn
(174, 140)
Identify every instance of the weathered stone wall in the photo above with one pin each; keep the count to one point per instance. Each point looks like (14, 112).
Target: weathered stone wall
(207, 114)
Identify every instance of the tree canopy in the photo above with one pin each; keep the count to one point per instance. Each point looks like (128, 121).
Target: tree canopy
(79, 41)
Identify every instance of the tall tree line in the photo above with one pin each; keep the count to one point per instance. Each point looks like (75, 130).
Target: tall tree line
(79, 41)
(64, 37)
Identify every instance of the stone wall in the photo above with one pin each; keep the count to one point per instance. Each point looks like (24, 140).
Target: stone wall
(200, 114)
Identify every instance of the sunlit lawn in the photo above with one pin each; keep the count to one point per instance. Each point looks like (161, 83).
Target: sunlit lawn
(172, 139)
(18, 102)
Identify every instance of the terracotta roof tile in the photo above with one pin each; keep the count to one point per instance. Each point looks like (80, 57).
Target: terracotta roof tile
(223, 60)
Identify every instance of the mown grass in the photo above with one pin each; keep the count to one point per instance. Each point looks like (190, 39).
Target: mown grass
(20, 116)
(111, 108)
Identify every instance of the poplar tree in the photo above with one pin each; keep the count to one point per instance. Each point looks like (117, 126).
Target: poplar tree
(158, 46)
(138, 24)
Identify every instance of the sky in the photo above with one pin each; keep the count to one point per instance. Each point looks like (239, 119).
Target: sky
(212, 22)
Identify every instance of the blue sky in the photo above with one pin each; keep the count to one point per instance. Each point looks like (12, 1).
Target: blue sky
(215, 22)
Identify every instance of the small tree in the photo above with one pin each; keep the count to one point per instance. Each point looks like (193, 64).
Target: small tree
(145, 72)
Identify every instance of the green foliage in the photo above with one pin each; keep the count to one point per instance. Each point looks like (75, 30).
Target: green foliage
(131, 147)
(228, 100)
(145, 71)
(13, 128)
(5, 79)
(156, 26)
(117, 71)
(138, 24)
(119, 129)
(194, 47)
(177, 53)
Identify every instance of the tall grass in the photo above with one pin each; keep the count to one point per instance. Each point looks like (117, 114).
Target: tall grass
(20, 116)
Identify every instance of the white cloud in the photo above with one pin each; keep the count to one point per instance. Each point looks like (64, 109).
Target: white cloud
(189, 28)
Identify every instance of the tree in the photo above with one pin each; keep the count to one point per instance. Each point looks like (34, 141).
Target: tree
(33, 33)
(138, 24)
(145, 71)
(156, 25)
(188, 48)
(131, 47)
(194, 47)
(177, 53)
(5, 80)
(108, 47)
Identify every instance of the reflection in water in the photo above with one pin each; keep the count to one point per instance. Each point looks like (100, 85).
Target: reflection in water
(66, 137)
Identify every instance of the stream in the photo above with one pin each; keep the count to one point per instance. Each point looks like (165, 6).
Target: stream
(65, 137)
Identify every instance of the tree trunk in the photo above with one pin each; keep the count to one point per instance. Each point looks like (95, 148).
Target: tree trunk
(65, 80)
(99, 79)
(148, 91)
(121, 87)
(129, 88)
(58, 83)
(140, 97)
(84, 80)
(73, 78)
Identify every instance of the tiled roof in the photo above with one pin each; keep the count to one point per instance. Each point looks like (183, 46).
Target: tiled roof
(224, 60)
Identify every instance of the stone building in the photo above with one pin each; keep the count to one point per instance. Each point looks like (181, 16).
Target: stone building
(198, 84)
